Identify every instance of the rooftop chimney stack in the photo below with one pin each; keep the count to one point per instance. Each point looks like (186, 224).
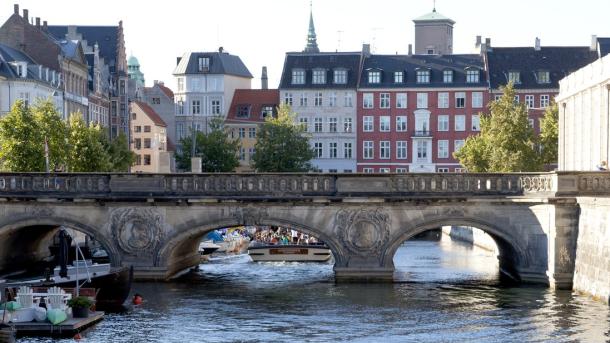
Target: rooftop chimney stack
(410, 49)
(366, 50)
(25, 15)
(155, 82)
(264, 79)
(488, 42)
(593, 43)
(44, 26)
(537, 44)
(477, 44)
(16, 8)
(38, 22)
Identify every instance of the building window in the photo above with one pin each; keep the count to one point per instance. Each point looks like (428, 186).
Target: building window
(242, 154)
(304, 123)
(423, 76)
(442, 170)
(332, 124)
(384, 150)
(443, 100)
(180, 131)
(458, 144)
(196, 107)
(348, 100)
(530, 122)
(398, 77)
(443, 149)
(384, 124)
(422, 150)
(514, 77)
(544, 101)
(204, 63)
(243, 111)
(138, 160)
(476, 122)
(319, 76)
(332, 99)
(288, 99)
(529, 100)
(368, 170)
(317, 124)
(267, 111)
(543, 77)
(242, 132)
(460, 100)
(156, 101)
(347, 124)
(317, 99)
(251, 153)
(401, 124)
(497, 97)
(384, 100)
(374, 76)
(146, 128)
(147, 143)
(137, 129)
(401, 100)
(303, 100)
(216, 107)
(460, 170)
(401, 170)
(180, 84)
(367, 100)
(472, 76)
(347, 150)
(318, 150)
(332, 149)
(447, 76)
(384, 170)
(401, 150)
(477, 99)
(422, 100)
(146, 160)
(298, 77)
(138, 143)
(516, 100)
(252, 132)
(460, 122)
(367, 123)
(368, 150)
(443, 122)
(340, 76)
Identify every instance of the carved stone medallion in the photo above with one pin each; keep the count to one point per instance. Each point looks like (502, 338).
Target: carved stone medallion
(249, 215)
(363, 231)
(137, 231)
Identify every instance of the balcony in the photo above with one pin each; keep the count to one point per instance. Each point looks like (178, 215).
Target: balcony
(422, 133)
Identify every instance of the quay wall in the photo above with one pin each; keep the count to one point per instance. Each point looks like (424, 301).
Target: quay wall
(471, 235)
(592, 266)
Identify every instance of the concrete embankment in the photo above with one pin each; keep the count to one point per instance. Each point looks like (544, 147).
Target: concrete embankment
(592, 266)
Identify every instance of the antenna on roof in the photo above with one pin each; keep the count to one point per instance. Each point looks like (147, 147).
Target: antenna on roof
(433, 5)
(339, 32)
(374, 39)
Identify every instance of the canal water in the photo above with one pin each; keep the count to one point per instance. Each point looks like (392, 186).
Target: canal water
(448, 292)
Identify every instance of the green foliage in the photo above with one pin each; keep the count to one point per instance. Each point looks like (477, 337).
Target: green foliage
(282, 145)
(218, 153)
(80, 301)
(119, 155)
(86, 152)
(549, 135)
(506, 143)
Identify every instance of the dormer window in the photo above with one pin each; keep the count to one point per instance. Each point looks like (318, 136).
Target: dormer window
(204, 64)
(340, 76)
(319, 76)
(514, 77)
(472, 76)
(243, 111)
(267, 111)
(374, 76)
(423, 76)
(22, 69)
(447, 76)
(298, 77)
(398, 77)
(543, 77)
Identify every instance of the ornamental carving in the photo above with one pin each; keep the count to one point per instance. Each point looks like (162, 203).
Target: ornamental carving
(363, 231)
(137, 231)
(249, 215)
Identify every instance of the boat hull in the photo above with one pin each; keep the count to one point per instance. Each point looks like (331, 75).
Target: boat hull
(289, 253)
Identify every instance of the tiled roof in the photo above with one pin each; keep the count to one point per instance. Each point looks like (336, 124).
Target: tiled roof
(220, 63)
(166, 90)
(328, 61)
(255, 99)
(410, 64)
(105, 36)
(558, 61)
(150, 113)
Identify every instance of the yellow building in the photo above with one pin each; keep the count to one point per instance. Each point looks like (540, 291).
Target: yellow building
(148, 140)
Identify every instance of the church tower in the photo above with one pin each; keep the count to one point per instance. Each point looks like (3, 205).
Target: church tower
(433, 34)
(312, 42)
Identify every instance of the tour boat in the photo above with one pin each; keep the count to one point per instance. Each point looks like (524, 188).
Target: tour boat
(289, 253)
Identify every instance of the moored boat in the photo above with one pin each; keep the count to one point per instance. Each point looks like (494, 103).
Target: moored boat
(289, 253)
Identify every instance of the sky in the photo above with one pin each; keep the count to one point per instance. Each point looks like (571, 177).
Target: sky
(260, 32)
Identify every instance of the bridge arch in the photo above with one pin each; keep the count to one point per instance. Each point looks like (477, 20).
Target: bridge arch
(513, 253)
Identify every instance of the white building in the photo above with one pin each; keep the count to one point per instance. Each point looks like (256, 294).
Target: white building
(205, 84)
(22, 79)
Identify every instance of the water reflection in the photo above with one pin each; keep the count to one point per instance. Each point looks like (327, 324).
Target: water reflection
(448, 293)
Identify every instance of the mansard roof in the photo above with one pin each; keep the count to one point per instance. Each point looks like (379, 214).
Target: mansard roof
(558, 61)
(328, 61)
(410, 64)
(255, 99)
(220, 63)
(9, 55)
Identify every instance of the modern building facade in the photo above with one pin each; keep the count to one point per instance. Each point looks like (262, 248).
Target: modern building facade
(149, 140)
(249, 109)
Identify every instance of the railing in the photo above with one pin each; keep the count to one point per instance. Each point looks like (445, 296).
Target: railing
(272, 186)
(423, 133)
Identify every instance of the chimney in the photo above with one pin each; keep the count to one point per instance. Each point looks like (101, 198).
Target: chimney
(221, 49)
(488, 42)
(366, 49)
(25, 15)
(410, 49)
(593, 46)
(155, 82)
(44, 26)
(178, 60)
(38, 22)
(16, 8)
(162, 83)
(478, 43)
(264, 79)
(537, 44)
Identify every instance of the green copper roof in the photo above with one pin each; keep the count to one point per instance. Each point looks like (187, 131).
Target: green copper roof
(133, 61)
(433, 16)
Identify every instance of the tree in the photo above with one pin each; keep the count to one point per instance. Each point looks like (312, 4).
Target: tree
(121, 158)
(86, 151)
(506, 143)
(549, 135)
(218, 153)
(52, 129)
(282, 145)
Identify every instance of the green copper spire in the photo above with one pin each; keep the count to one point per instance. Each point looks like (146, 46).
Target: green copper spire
(312, 43)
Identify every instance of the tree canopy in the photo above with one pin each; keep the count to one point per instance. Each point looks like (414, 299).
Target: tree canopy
(549, 135)
(282, 145)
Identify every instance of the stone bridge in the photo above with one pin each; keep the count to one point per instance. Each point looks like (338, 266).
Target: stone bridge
(155, 222)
